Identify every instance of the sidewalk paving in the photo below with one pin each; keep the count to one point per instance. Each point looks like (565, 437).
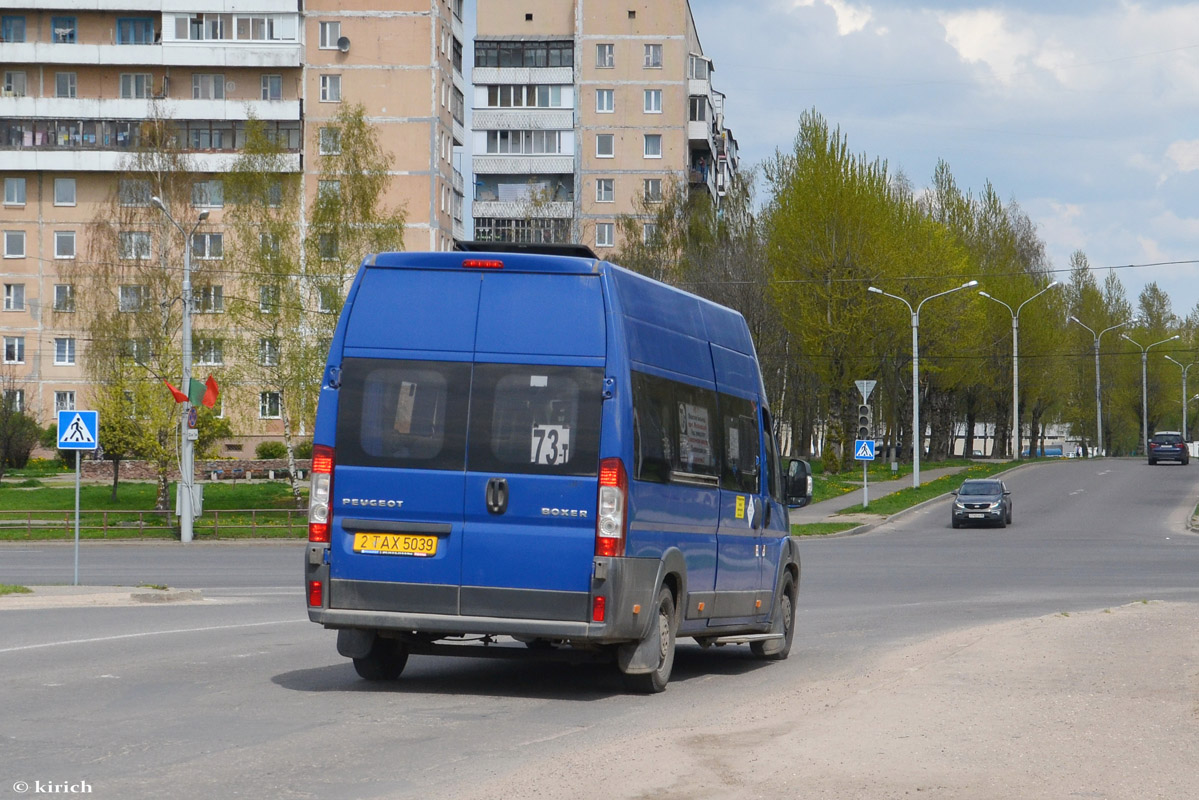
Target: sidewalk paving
(826, 510)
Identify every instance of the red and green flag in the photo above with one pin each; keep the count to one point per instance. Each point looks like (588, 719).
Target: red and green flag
(198, 393)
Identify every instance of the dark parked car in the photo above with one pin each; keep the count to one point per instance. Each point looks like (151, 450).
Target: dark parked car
(1168, 446)
(981, 500)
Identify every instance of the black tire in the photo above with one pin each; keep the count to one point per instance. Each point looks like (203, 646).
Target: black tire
(1152, 462)
(385, 661)
(1003, 522)
(953, 522)
(783, 622)
(1009, 516)
(655, 681)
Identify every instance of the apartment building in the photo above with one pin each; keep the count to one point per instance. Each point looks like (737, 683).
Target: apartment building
(584, 111)
(80, 79)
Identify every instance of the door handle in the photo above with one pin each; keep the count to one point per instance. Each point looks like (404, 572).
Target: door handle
(497, 495)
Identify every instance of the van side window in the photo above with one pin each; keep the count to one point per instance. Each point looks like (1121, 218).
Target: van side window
(675, 432)
(403, 413)
(741, 445)
(535, 419)
(774, 471)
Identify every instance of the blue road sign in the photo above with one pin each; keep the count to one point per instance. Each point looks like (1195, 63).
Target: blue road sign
(78, 430)
(863, 450)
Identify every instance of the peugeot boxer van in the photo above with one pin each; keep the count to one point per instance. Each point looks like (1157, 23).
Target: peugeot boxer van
(541, 452)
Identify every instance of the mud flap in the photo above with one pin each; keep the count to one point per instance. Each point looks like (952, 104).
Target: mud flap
(636, 658)
(354, 642)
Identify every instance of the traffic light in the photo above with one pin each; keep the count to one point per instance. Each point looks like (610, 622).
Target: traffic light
(864, 422)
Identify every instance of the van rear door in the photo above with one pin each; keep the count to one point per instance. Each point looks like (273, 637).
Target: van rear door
(533, 453)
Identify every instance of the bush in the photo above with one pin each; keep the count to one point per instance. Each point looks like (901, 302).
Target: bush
(304, 449)
(270, 450)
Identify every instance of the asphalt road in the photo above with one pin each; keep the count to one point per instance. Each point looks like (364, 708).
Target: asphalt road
(240, 696)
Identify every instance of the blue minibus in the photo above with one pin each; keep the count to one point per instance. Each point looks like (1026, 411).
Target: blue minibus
(547, 454)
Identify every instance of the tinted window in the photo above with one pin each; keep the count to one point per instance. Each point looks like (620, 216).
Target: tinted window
(980, 488)
(674, 430)
(535, 419)
(1167, 438)
(403, 414)
(740, 471)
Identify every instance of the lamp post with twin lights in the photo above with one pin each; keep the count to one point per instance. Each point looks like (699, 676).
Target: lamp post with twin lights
(1016, 365)
(1098, 400)
(187, 446)
(917, 432)
(1144, 385)
(1185, 368)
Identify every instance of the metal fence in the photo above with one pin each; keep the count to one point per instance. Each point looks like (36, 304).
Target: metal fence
(212, 524)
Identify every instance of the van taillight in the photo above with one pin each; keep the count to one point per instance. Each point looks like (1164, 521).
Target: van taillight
(316, 594)
(320, 493)
(480, 263)
(613, 508)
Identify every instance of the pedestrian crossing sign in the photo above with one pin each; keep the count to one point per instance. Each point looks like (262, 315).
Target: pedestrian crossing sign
(863, 450)
(78, 430)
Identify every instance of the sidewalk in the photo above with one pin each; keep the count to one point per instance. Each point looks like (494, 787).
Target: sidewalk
(826, 510)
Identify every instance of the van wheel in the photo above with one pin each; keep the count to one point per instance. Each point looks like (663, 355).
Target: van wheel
(384, 662)
(656, 680)
(783, 622)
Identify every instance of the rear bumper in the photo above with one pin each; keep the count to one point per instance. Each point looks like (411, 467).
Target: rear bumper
(626, 584)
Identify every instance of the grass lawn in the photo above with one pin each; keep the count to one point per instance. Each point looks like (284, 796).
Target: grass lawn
(136, 496)
(826, 486)
(8, 588)
(821, 528)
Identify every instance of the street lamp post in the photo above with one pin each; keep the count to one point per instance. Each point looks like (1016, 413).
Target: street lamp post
(1185, 369)
(1144, 385)
(1098, 400)
(187, 446)
(1016, 365)
(917, 432)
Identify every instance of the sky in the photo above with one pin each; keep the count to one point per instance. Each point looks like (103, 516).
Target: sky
(1084, 112)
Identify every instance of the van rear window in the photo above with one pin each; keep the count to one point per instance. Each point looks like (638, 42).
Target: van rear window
(395, 413)
(535, 419)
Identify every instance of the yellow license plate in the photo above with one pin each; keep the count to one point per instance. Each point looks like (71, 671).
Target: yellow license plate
(395, 544)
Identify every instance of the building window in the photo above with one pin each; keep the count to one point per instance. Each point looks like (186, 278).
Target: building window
(64, 401)
(65, 84)
(522, 54)
(14, 244)
(699, 109)
(136, 85)
(605, 102)
(268, 352)
(210, 352)
(330, 33)
(14, 84)
(137, 30)
(653, 56)
(605, 190)
(208, 245)
(14, 297)
(64, 351)
(207, 86)
(653, 190)
(605, 145)
(12, 29)
(138, 350)
(328, 190)
(272, 87)
(330, 141)
(605, 56)
(327, 299)
(653, 145)
(64, 297)
(14, 349)
(210, 299)
(268, 405)
(14, 191)
(516, 96)
(64, 244)
(524, 142)
(649, 233)
(208, 194)
(63, 30)
(134, 245)
(327, 245)
(268, 299)
(605, 232)
(653, 101)
(131, 297)
(14, 400)
(330, 88)
(64, 191)
(134, 192)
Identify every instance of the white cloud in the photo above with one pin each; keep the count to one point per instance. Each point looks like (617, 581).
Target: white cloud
(1150, 250)
(983, 36)
(850, 19)
(1184, 155)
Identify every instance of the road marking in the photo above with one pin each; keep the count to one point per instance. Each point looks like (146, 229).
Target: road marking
(1078, 491)
(144, 634)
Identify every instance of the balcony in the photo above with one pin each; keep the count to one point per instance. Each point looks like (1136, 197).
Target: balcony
(522, 164)
(218, 54)
(486, 76)
(71, 160)
(522, 119)
(112, 108)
